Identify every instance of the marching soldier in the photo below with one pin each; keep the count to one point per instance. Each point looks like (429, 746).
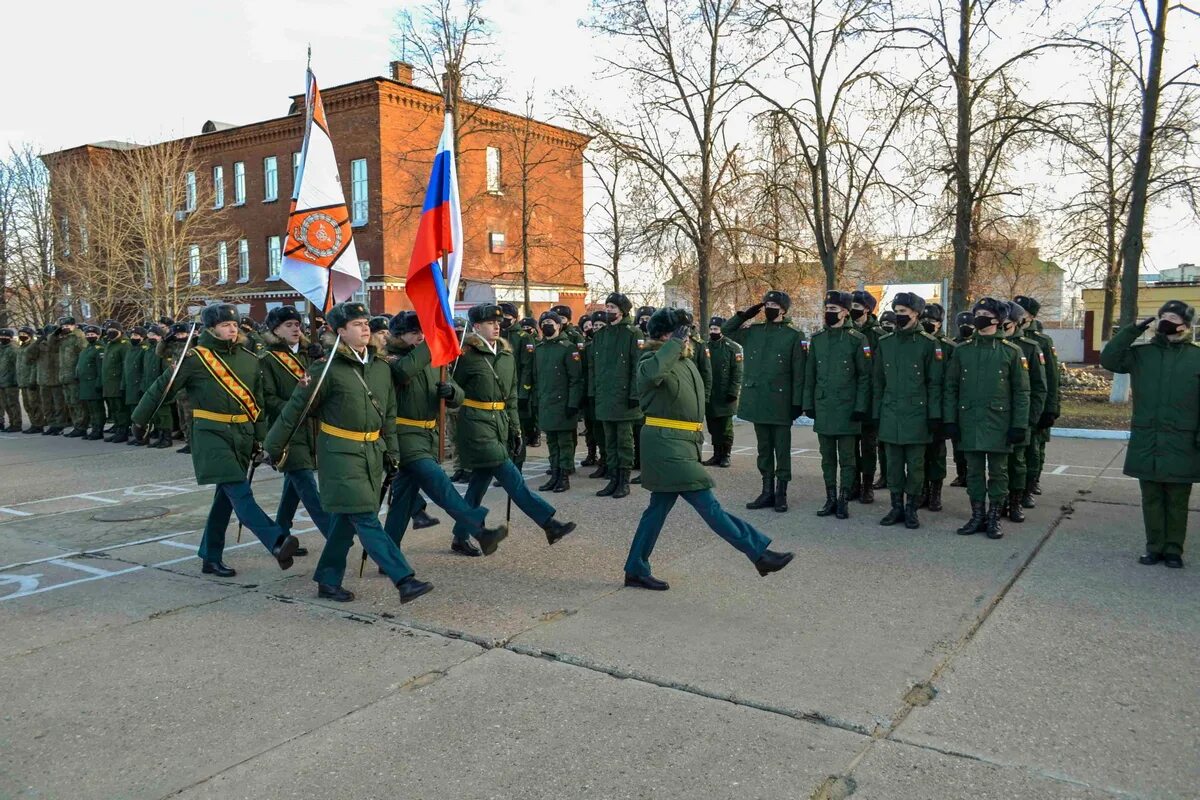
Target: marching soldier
(1164, 447)
(964, 325)
(254, 340)
(772, 390)
(837, 394)
(553, 382)
(284, 363)
(614, 375)
(169, 351)
(10, 393)
(672, 393)
(595, 428)
(1031, 349)
(932, 319)
(91, 382)
(27, 380)
(489, 436)
(725, 356)
(70, 344)
(522, 348)
(869, 449)
(419, 390)
(908, 404)
(131, 373)
(225, 385)
(45, 350)
(985, 406)
(1035, 454)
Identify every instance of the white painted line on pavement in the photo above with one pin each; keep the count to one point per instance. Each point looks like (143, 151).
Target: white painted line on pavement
(81, 567)
(1061, 469)
(181, 545)
(14, 512)
(94, 551)
(98, 499)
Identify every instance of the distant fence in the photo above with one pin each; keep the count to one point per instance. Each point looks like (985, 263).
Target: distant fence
(1068, 342)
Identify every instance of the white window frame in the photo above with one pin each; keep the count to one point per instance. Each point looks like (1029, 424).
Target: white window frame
(362, 295)
(194, 264)
(222, 262)
(243, 261)
(218, 186)
(65, 233)
(295, 171)
(239, 183)
(189, 192)
(274, 257)
(359, 207)
(494, 170)
(270, 179)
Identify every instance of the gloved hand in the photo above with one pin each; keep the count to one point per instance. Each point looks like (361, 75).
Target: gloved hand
(1046, 420)
(572, 411)
(1146, 323)
(256, 453)
(811, 413)
(796, 412)
(1016, 435)
(445, 390)
(950, 430)
(731, 398)
(857, 416)
(315, 351)
(751, 312)
(935, 428)
(633, 402)
(390, 467)
(515, 444)
(682, 333)
(523, 404)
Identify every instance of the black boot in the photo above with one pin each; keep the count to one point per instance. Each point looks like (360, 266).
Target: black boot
(856, 489)
(1037, 485)
(550, 484)
(636, 480)
(771, 561)
(556, 530)
(910, 514)
(33, 429)
(978, 521)
(95, 434)
(646, 582)
(766, 498)
(935, 495)
(830, 502)
(335, 593)
(781, 496)
(622, 489)
(489, 538)
(867, 492)
(76, 433)
(959, 481)
(725, 453)
(613, 481)
(923, 500)
(842, 510)
(897, 511)
(421, 519)
(1014, 507)
(564, 482)
(466, 547)
(716, 456)
(122, 436)
(591, 459)
(187, 448)
(601, 470)
(218, 568)
(410, 588)
(881, 483)
(992, 526)
(1027, 500)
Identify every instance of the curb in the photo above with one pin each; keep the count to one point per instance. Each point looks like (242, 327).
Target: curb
(1061, 433)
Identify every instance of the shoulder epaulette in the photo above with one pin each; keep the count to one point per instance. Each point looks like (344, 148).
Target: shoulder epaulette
(1013, 346)
(815, 334)
(927, 335)
(885, 335)
(856, 332)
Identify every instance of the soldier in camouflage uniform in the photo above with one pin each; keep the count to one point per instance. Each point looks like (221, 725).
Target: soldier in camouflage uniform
(27, 380)
(10, 393)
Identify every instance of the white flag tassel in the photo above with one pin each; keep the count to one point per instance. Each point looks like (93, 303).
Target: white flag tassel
(319, 259)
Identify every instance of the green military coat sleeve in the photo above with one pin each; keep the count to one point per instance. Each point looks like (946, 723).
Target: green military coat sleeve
(416, 382)
(837, 381)
(87, 372)
(773, 373)
(131, 372)
(112, 367)
(555, 383)
(8, 365)
(1031, 349)
(282, 371)
(1164, 439)
(46, 351)
(616, 350)
(986, 393)
(670, 387)
(907, 389)
(487, 377)
(725, 355)
(27, 366)
(1050, 362)
(69, 348)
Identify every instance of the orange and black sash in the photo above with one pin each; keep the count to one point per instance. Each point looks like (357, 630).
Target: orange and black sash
(289, 362)
(228, 380)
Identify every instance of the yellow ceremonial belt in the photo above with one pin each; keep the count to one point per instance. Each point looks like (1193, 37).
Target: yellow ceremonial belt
(228, 419)
(484, 406)
(676, 424)
(354, 436)
(427, 424)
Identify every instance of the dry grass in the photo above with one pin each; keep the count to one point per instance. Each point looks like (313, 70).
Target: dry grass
(1083, 408)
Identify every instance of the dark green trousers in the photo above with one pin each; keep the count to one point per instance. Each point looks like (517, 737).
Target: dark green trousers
(1042, 437)
(868, 444)
(618, 440)
(637, 443)
(53, 406)
(12, 404)
(1033, 462)
(1165, 514)
(935, 460)
(960, 461)
(987, 476)
(774, 451)
(906, 468)
(118, 410)
(1017, 468)
(95, 413)
(562, 449)
(598, 429)
(838, 459)
(590, 427)
(720, 429)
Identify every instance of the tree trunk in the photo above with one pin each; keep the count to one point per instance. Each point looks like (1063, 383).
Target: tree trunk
(962, 164)
(1132, 244)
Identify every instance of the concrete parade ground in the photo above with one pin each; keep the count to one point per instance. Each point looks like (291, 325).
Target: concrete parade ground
(883, 663)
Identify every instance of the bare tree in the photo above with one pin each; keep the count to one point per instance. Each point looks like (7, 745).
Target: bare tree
(32, 280)
(609, 217)
(8, 229)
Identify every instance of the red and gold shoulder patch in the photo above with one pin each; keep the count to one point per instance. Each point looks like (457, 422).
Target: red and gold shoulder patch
(867, 350)
(738, 357)
(937, 354)
(574, 355)
(1024, 362)
(804, 345)
(529, 346)
(1041, 358)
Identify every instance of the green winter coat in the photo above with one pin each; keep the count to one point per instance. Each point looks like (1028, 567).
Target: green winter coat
(112, 367)
(522, 345)
(702, 358)
(69, 347)
(254, 342)
(46, 352)
(221, 451)
(349, 472)
(773, 374)
(131, 372)
(416, 383)
(906, 392)
(8, 364)
(670, 387)
(1031, 349)
(26, 366)
(482, 434)
(725, 357)
(87, 372)
(553, 383)
(986, 393)
(613, 368)
(1164, 441)
(152, 365)
(572, 332)
(837, 381)
(1050, 362)
(279, 381)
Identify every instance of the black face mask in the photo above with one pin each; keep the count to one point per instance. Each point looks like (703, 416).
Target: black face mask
(983, 322)
(714, 337)
(832, 318)
(113, 335)
(613, 317)
(1167, 328)
(505, 324)
(548, 330)
(772, 314)
(92, 339)
(928, 325)
(887, 327)
(902, 321)
(857, 313)
(136, 340)
(965, 331)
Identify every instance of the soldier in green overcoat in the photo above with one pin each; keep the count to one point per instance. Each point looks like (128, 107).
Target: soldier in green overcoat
(91, 383)
(27, 380)
(112, 372)
(613, 374)
(1164, 442)
(907, 395)
(70, 344)
(772, 389)
(985, 405)
(725, 356)
(169, 350)
(932, 322)
(837, 396)
(252, 334)
(45, 351)
(869, 449)
(588, 411)
(553, 383)
(1031, 349)
(131, 373)
(225, 384)
(522, 345)
(152, 367)
(671, 392)
(569, 330)
(964, 326)
(1035, 453)
(597, 446)
(10, 392)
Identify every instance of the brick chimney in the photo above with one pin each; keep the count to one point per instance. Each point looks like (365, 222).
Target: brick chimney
(402, 72)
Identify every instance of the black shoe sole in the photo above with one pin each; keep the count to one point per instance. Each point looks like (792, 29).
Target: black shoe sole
(637, 584)
(488, 544)
(345, 597)
(787, 559)
(560, 533)
(424, 590)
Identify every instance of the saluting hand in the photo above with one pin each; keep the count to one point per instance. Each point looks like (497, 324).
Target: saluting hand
(752, 311)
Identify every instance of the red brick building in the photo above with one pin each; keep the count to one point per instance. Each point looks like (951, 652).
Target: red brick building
(385, 132)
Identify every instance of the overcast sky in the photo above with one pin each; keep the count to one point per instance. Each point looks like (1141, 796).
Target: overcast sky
(141, 70)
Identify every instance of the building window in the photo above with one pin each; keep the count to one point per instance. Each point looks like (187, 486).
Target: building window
(218, 187)
(222, 262)
(194, 265)
(493, 170)
(362, 296)
(243, 260)
(65, 228)
(295, 172)
(270, 179)
(274, 257)
(85, 309)
(358, 191)
(189, 196)
(239, 183)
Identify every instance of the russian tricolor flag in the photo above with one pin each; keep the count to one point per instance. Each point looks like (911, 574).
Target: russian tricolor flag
(439, 236)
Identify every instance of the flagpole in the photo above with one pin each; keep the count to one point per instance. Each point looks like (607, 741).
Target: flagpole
(443, 265)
